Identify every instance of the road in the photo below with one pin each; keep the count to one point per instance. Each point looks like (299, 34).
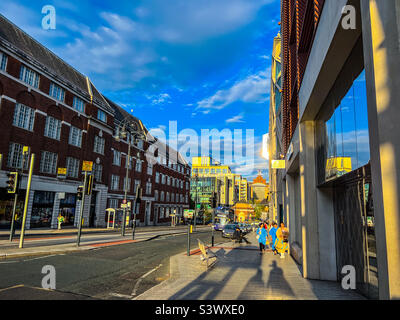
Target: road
(117, 272)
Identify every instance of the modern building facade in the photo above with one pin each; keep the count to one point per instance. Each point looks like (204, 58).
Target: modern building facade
(57, 112)
(340, 135)
(229, 187)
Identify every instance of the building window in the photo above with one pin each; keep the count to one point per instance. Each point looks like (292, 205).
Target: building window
(99, 145)
(117, 158)
(138, 165)
(114, 203)
(15, 156)
(140, 144)
(161, 213)
(75, 137)
(48, 162)
(162, 198)
(157, 177)
(78, 104)
(167, 197)
(148, 188)
(98, 172)
(56, 92)
(72, 167)
(149, 169)
(114, 182)
(3, 61)
(29, 76)
(53, 128)
(163, 179)
(156, 195)
(172, 197)
(127, 184)
(168, 181)
(137, 183)
(101, 115)
(24, 117)
(166, 212)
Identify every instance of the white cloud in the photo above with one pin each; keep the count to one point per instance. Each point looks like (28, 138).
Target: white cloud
(252, 89)
(162, 98)
(236, 119)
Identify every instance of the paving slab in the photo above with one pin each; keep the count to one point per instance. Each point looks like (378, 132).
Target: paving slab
(242, 273)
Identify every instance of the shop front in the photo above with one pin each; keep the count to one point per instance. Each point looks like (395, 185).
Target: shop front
(68, 208)
(6, 209)
(42, 209)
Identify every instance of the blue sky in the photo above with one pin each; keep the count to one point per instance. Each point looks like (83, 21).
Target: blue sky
(202, 63)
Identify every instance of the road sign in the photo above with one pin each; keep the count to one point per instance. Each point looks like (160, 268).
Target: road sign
(87, 166)
(278, 164)
(188, 214)
(62, 173)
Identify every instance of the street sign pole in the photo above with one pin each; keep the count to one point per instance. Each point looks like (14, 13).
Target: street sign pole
(212, 232)
(134, 212)
(78, 240)
(188, 239)
(28, 189)
(128, 162)
(12, 231)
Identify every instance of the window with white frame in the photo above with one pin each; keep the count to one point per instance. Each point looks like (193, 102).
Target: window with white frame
(149, 169)
(172, 197)
(53, 128)
(186, 199)
(155, 195)
(166, 212)
(24, 117)
(56, 92)
(161, 213)
(3, 61)
(181, 198)
(162, 198)
(114, 203)
(48, 162)
(137, 182)
(15, 156)
(98, 172)
(127, 184)
(163, 178)
(29, 76)
(168, 181)
(72, 167)
(99, 145)
(173, 182)
(167, 197)
(114, 182)
(138, 165)
(75, 137)
(140, 144)
(101, 115)
(148, 188)
(117, 158)
(157, 177)
(78, 104)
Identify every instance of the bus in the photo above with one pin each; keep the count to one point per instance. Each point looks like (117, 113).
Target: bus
(223, 216)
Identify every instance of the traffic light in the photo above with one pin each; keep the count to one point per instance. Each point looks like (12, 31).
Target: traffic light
(79, 194)
(12, 182)
(90, 185)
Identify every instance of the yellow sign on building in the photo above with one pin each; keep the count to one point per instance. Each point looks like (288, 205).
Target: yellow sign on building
(278, 164)
(87, 166)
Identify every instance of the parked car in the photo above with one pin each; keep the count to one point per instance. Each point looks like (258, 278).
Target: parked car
(228, 230)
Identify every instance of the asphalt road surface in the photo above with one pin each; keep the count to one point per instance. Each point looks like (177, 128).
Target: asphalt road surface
(117, 272)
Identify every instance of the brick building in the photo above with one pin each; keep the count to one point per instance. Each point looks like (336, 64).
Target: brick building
(59, 114)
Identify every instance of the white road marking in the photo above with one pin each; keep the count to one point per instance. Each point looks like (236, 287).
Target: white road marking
(53, 255)
(118, 295)
(6, 262)
(141, 279)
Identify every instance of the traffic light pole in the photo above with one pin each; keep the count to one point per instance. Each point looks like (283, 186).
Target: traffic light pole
(78, 240)
(28, 189)
(128, 162)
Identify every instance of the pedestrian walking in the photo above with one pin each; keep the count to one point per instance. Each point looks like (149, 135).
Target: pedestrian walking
(272, 233)
(282, 242)
(262, 237)
(61, 220)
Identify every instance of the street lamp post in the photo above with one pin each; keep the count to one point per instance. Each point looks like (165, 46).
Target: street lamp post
(196, 200)
(129, 129)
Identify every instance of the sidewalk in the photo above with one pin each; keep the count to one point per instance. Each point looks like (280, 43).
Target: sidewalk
(241, 273)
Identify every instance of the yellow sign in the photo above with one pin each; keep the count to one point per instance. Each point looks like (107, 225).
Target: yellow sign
(87, 166)
(278, 164)
(62, 171)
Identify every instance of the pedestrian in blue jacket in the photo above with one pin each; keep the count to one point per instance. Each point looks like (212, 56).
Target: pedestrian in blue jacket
(272, 234)
(262, 237)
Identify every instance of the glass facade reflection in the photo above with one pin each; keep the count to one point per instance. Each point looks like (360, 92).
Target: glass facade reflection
(344, 138)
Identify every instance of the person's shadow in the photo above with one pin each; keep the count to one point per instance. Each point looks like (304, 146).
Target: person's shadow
(277, 281)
